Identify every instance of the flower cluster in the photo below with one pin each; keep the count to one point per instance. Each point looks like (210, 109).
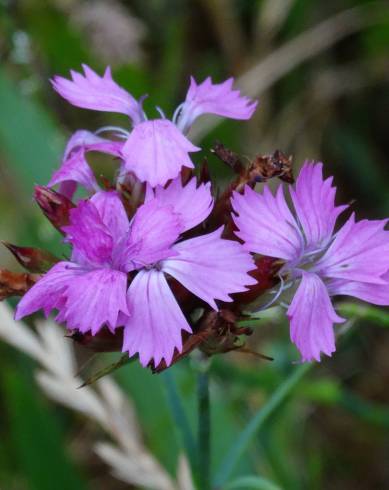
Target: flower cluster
(124, 267)
(161, 264)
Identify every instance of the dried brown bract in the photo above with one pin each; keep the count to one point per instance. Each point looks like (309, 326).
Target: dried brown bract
(15, 284)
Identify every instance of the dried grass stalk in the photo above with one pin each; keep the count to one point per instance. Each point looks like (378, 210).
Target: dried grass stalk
(105, 404)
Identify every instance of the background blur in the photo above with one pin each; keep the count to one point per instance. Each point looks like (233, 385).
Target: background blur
(321, 72)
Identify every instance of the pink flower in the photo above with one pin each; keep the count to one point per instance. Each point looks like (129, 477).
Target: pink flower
(353, 261)
(91, 289)
(75, 168)
(156, 149)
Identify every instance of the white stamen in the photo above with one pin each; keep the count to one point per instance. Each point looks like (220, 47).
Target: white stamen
(162, 114)
(116, 129)
(177, 113)
(278, 294)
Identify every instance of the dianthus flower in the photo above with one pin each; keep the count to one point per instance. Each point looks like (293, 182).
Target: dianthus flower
(354, 261)
(119, 271)
(155, 150)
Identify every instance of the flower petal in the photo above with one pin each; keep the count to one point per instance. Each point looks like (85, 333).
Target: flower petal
(311, 317)
(91, 142)
(266, 224)
(214, 98)
(112, 213)
(89, 235)
(74, 169)
(156, 150)
(49, 292)
(95, 298)
(90, 91)
(359, 252)
(211, 267)
(377, 294)
(153, 231)
(314, 200)
(154, 326)
(192, 203)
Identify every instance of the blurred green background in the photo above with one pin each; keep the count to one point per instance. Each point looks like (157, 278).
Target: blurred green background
(321, 72)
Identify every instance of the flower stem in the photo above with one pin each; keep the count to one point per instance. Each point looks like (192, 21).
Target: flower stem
(204, 431)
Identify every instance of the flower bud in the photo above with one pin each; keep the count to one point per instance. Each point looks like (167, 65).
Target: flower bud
(32, 259)
(55, 206)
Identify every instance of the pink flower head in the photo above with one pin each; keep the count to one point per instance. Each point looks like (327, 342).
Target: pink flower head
(91, 289)
(75, 168)
(353, 261)
(155, 150)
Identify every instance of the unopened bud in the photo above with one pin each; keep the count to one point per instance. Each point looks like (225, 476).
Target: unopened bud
(32, 259)
(228, 157)
(55, 206)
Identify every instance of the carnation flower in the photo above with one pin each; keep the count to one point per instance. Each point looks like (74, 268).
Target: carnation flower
(120, 270)
(353, 261)
(155, 150)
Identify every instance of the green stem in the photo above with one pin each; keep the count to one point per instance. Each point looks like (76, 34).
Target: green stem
(204, 431)
(367, 312)
(233, 456)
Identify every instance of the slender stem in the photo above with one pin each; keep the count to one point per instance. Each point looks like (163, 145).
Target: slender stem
(204, 431)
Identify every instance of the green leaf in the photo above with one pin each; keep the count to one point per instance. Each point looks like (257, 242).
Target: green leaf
(114, 366)
(254, 482)
(180, 417)
(245, 438)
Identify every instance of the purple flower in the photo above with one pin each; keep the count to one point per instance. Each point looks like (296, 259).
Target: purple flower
(353, 261)
(91, 289)
(75, 168)
(156, 149)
